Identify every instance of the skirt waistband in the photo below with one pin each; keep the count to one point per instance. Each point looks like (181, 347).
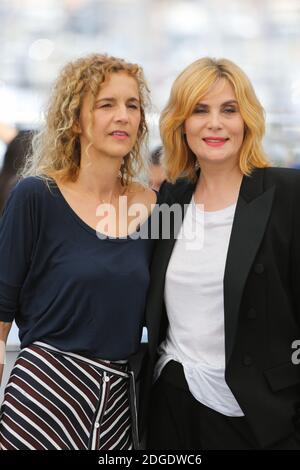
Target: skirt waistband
(120, 368)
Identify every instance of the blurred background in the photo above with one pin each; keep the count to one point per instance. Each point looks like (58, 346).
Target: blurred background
(39, 36)
(263, 37)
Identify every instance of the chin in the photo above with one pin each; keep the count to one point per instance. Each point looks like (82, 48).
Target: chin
(215, 159)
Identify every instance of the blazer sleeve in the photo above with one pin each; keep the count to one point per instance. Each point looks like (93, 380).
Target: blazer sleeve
(295, 251)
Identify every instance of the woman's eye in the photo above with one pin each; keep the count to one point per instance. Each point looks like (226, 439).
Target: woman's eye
(200, 110)
(229, 110)
(133, 106)
(103, 106)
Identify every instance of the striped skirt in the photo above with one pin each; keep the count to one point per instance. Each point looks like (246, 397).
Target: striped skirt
(61, 400)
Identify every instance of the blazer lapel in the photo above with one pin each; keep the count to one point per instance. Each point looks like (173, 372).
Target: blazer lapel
(168, 243)
(250, 221)
(159, 266)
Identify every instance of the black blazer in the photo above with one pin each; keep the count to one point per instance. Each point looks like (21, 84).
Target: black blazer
(261, 301)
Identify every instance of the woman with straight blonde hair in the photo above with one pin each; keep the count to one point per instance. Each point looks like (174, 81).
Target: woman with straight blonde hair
(74, 271)
(223, 311)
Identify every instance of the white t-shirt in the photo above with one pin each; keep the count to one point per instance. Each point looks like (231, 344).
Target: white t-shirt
(195, 307)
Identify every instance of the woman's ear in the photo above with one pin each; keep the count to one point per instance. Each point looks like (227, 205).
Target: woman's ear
(76, 127)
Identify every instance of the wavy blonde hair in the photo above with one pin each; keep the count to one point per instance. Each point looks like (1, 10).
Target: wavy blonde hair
(56, 148)
(190, 86)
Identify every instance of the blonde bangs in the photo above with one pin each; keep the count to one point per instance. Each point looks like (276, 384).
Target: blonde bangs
(190, 86)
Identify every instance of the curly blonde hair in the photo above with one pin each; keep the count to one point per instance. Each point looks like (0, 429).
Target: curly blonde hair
(56, 148)
(190, 86)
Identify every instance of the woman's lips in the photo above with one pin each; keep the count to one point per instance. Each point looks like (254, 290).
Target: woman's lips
(215, 141)
(120, 135)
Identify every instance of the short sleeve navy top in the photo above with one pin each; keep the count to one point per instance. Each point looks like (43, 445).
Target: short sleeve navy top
(63, 284)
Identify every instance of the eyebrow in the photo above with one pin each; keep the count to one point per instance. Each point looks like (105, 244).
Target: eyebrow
(114, 99)
(223, 104)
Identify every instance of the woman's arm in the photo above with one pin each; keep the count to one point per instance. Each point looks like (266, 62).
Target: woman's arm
(16, 248)
(4, 331)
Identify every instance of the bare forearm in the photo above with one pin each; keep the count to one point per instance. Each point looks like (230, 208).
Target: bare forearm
(4, 331)
(2, 359)
(1, 372)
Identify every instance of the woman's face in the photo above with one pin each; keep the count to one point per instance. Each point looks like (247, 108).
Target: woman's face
(215, 130)
(116, 117)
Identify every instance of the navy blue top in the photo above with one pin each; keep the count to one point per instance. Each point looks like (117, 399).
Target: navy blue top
(65, 286)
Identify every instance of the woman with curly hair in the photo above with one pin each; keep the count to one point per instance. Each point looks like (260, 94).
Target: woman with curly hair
(74, 269)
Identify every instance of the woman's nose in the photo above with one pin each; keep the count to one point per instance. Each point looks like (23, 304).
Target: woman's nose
(214, 120)
(121, 113)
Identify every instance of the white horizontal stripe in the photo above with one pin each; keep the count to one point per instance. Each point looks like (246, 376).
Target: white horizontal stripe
(84, 359)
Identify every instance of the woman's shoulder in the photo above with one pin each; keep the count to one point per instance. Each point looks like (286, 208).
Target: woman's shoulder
(283, 176)
(140, 192)
(30, 185)
(169, 191)
(27, 194)
(29, 190)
